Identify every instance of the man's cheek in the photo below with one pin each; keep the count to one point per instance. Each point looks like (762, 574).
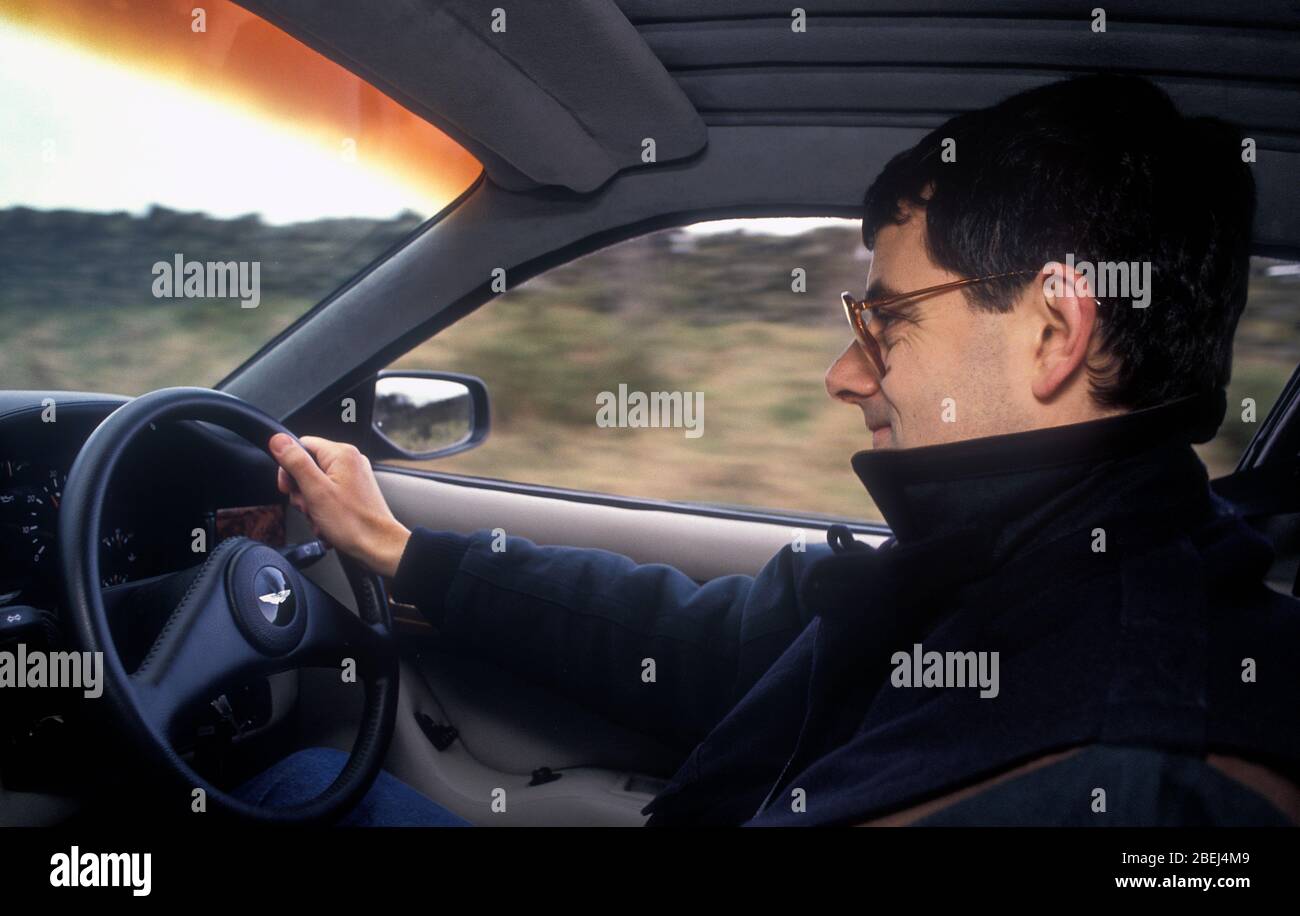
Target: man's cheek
(924, 415)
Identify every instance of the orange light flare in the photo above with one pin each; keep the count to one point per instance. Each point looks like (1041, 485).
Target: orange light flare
(247, 62)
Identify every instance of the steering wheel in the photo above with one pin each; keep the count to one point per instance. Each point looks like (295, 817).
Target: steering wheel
(247, 613)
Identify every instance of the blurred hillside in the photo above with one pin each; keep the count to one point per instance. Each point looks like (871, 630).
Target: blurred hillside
(65, 259)
(77, 309)
(670, 311)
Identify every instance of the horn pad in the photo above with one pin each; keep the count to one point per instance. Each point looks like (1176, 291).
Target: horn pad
(267, 599)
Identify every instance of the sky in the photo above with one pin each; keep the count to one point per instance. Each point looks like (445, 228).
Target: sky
(783, 225)
(76, 135)
(107, 111)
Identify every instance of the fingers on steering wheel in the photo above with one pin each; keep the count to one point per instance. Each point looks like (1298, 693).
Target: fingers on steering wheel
(296, 462)
(286, 484)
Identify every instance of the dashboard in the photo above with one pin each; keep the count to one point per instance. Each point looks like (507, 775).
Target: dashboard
(177, 490)
(172, 493)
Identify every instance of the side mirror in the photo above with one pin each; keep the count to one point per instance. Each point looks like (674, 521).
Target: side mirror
(422, 415)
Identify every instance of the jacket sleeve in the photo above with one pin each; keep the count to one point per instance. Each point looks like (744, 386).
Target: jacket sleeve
(643, 644)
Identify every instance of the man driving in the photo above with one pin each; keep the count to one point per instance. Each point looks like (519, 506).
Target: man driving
(1067, 627)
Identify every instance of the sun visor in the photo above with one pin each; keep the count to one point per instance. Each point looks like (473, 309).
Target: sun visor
(562, 94)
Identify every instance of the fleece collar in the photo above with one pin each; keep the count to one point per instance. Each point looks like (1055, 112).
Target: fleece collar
(1009, 489)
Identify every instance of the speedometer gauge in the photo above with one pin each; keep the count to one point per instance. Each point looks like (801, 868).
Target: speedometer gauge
(29, 508)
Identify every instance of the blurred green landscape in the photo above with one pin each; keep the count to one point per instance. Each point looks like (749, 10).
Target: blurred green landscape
(671, 311)
(76, 303)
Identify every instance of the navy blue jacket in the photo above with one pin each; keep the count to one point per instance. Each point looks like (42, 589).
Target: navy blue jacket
(1124, 600)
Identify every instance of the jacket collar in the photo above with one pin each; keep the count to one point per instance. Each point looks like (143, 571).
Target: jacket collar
(1007, 489)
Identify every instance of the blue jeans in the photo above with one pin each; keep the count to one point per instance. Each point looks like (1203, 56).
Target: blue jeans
(302, 776)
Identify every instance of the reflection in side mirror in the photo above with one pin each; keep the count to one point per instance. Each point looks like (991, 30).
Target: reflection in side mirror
(425, 416)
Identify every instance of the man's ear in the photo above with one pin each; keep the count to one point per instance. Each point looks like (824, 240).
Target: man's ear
(1064, 312)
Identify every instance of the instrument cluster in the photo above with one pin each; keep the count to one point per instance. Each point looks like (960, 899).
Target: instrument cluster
(163, 499)
(30, 494)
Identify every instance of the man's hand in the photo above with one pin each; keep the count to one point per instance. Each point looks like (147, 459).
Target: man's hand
(340, 497)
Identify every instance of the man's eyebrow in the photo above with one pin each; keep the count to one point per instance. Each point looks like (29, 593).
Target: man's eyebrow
(881, 290)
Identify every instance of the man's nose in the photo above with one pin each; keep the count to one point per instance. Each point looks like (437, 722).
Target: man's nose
(852, 377)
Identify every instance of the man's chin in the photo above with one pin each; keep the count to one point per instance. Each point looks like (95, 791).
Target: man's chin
(882, 437)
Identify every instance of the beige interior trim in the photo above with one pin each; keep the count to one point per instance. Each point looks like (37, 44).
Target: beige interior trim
(701, 546)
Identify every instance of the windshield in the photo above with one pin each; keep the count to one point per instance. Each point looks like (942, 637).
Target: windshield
(178, 183)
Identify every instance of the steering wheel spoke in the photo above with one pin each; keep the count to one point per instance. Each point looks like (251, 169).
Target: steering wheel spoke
(200, 649)
(336, 634)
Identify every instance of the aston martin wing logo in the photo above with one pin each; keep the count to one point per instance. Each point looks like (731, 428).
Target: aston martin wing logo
(276, 598)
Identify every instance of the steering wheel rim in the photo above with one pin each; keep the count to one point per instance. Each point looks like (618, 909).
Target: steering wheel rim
(199, 644)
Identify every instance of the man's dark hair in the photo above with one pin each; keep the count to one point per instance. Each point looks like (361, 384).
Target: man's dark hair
(1106, 168)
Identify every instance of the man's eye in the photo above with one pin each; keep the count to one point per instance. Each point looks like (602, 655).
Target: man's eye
(890, 326)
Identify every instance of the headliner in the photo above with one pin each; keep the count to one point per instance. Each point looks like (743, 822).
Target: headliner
(565, 97)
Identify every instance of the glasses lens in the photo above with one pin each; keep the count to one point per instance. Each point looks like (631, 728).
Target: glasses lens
(858, 318)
